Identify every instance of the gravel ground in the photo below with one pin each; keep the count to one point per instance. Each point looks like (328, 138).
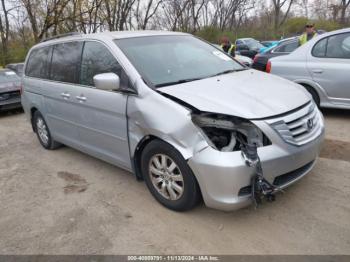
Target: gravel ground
(66, 202)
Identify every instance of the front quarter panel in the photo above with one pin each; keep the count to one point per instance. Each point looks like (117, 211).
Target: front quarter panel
(152, 114)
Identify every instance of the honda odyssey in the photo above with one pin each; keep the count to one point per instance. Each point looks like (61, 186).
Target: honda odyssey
(186, 118)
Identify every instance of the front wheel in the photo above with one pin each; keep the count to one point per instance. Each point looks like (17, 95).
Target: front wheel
(168, 177)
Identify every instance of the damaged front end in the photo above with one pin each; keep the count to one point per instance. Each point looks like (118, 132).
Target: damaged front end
(228, 134)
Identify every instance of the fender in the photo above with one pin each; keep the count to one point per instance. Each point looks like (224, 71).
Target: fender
(320, 91)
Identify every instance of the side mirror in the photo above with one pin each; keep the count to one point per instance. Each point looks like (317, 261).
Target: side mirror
(107, 81)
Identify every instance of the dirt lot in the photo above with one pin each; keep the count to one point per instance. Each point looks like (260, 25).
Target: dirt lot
(65, 202)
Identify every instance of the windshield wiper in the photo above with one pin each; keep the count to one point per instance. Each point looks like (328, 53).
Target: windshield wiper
(229, 71)
(181, 81)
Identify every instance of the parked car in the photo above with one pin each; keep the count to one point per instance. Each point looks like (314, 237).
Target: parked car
(248, 47)
(268, 45)
(284, 47)
(10, 85)
(247, 61)
(172, 109)
(17, 68)
(322, 66)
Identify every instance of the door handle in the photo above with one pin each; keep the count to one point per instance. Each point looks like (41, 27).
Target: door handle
(81, 98)
(65, 95)
(317, 71)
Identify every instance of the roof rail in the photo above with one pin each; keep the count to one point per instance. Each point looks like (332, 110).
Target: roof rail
(60, 36)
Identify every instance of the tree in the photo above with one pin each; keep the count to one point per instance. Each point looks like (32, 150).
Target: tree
(344, 4)
(144, 12)
(277, 7)
(4, 31)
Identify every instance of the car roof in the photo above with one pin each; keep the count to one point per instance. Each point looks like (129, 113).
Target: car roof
(107, 35)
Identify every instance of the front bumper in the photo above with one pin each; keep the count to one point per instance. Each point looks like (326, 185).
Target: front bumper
(9, 104)
(225, 180)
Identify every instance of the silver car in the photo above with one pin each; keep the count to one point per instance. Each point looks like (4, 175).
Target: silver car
(174, 110)
(322, 66)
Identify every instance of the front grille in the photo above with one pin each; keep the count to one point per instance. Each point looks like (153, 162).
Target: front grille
(280, 180)
(9, 95)
(298, 127)
(290, 176)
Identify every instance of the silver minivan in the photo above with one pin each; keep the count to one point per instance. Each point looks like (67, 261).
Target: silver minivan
(183, 116)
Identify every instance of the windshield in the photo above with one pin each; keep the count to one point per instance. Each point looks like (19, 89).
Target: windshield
(253, 44)
(8, 76)
(170, 60)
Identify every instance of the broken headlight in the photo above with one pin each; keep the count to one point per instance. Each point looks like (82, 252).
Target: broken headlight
(225, 133)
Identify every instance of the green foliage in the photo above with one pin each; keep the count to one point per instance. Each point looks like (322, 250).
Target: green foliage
(327, 25)
(16, 53)
(213, 35)
(295, 25)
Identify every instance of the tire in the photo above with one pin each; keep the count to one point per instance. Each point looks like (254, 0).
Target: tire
(43, 133)
(314, 95)
(164, 184)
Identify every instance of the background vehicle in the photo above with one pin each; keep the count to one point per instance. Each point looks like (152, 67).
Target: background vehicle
(243, 59)
(174, 110)
(269, 43)
(248, 47)
(17, 68)
(10, 85)
(284, 47)
(322, 66)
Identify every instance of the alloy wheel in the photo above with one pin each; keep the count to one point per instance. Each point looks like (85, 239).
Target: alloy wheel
(166, 176)
(42, 130)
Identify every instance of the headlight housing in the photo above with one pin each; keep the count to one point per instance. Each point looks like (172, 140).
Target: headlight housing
(221, 131)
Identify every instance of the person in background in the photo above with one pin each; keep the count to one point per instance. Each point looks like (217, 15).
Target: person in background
(227, 46)
(309, 33)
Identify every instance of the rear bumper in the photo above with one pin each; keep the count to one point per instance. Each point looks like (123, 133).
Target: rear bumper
(225, 180)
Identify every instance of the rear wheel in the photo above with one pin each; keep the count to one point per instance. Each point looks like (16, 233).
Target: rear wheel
(168, 177)
(43, 132)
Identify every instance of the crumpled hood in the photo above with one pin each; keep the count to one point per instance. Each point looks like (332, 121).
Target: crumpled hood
(249, 94)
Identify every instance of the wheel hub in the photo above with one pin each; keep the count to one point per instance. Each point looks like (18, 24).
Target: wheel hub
(166, 177)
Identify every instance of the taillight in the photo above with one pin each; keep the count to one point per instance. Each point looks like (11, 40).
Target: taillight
(268, 67)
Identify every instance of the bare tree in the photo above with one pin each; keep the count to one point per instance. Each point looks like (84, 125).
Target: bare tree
(279, 19)
(344, 4)
(4, 31)
(117, 13)
(145, 11)
(44, 16)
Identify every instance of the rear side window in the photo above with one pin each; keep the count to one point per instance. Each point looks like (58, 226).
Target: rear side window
(290, 47)
(38, 64)
(336, 46)
(287, 47)
(320, 48)
(66, 62)
(97, 59)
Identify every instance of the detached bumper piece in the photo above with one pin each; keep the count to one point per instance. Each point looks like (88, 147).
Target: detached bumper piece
(260, 187)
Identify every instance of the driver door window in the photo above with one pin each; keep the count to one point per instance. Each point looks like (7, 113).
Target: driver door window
(97, 59)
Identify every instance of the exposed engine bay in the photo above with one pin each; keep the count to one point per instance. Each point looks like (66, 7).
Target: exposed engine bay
(228, 134)
(222, 131)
